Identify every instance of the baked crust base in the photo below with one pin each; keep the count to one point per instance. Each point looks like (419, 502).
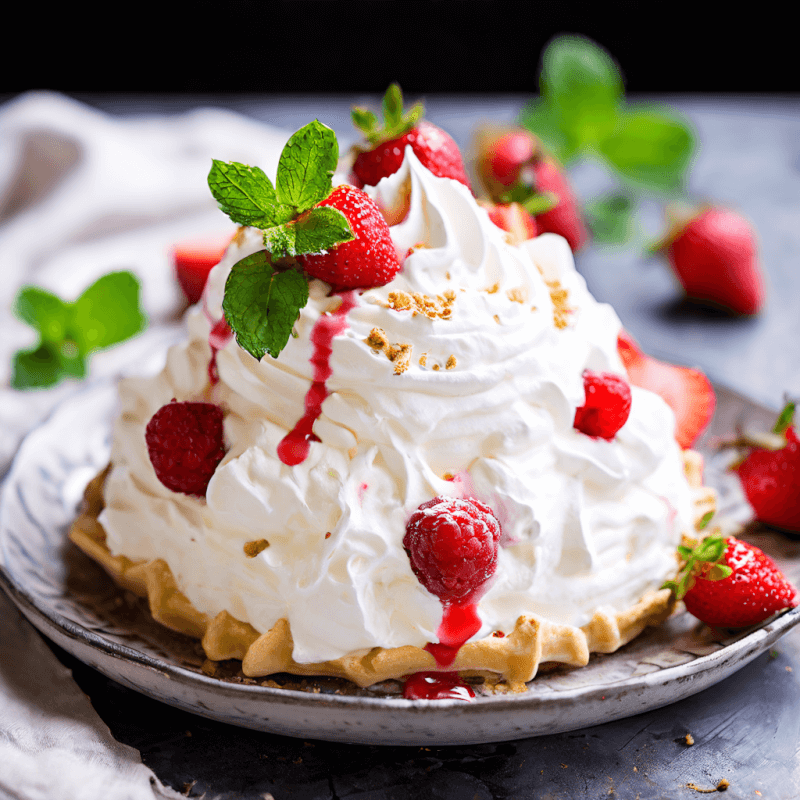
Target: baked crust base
(514, 658)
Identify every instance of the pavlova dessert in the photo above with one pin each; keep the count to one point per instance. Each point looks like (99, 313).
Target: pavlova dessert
(393, 450)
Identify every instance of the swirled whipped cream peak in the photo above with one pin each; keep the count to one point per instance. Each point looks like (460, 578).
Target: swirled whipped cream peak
(461, 378)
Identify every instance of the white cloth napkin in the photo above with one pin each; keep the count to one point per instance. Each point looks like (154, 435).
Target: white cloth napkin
(81, 194)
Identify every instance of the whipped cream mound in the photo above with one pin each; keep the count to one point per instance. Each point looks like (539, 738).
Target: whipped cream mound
(461, 377)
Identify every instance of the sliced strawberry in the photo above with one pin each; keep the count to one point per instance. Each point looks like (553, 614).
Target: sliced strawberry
(688, 392)
(514, 219)
(194, 259)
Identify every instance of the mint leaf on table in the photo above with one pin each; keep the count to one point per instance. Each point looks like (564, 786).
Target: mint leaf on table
(306, 166)
(316, 231)
(106, 313)
(611, 218)
(246, 195)
(261, 304)
(650, 146)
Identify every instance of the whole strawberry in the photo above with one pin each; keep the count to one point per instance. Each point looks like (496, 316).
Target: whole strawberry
(367, 260)
(452, 546)
(607, 406)
(728, 583)
(770, 476)
(513, 167)
(715, 258)
(386, 145)
(185, 445)
(688, 392)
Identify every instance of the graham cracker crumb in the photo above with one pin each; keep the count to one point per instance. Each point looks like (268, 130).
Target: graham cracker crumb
(435, 367)
(447, 275)
(252, 549)
(438, 307)
(497, 319)
(423, 359)
(493, 289)
(400, 356)
(451, 363)
(519, 294)
(209, 668)
(377, 339)
(561, 308)
(688, 740)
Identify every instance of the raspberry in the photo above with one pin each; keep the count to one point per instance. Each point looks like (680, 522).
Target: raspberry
(607, 407)
(452, 546)
(185, 444)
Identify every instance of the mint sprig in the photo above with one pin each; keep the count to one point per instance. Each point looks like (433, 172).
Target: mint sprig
(261, 304)
(396, 121)
(582, 112)
(264, 291)
(108, 312)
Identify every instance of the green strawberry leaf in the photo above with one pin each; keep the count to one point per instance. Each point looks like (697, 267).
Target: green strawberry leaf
(582, 86)
(718, 572)
(364, 119)
(651, 147)
(262, 304)
(395, 121)
(44, 311)
(306, 166)
(785, 419)
(704, 520)
(393, 106)
(246, 195)
(611, 218)
(107, 312)
(540, 202)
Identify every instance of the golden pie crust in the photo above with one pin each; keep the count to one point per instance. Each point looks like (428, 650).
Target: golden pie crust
(515, 658)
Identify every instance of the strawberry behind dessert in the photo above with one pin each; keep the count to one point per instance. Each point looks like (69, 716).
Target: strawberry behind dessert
(386, 144)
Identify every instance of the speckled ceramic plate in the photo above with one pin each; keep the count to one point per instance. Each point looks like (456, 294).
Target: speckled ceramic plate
(71, 601)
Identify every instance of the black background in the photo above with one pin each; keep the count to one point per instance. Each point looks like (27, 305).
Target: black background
(428, 46)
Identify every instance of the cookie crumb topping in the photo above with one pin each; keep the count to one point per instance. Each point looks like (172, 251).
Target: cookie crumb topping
(561, 308)
(252, 549)
(439, 307)
(398, 354)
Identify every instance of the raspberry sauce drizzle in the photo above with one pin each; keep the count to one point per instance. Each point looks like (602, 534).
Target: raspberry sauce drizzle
(460, 621)
(293, 448)
(219, 336)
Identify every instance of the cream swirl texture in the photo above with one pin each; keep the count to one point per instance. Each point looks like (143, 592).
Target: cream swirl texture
(461, 377)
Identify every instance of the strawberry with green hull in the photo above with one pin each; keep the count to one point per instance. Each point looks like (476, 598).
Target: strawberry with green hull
(386, 144)
(715, 258)
(336, 235)
(728, 583)
(770, 474)
(512, 166)
(687, 391)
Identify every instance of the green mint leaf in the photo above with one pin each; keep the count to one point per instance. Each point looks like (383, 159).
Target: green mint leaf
(784, 421)
(107, 313)
(261, 304)
(542, 119)
(364, 119)
(652, 147)
(611, 218)
(316, 231)
(583, 87)
(704, 520)
(246, 195)
(306, 166)
(393, 106)
(46, 365)
(43, 311)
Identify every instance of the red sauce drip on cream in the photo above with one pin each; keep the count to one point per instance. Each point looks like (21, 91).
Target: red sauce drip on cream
(219, 336)
(459, 623)
(293, 448)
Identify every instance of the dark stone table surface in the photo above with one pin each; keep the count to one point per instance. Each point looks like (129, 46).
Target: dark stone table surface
(747, 728)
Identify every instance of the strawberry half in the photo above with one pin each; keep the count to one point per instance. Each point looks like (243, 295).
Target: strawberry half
(728, 583)
(513, 219)
(193, 260)
(386, 146)
(367, 260)
(688, 392)
(771, 477)
(715, 258)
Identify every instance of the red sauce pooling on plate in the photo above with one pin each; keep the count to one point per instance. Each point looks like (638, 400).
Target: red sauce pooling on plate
(293, 448)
